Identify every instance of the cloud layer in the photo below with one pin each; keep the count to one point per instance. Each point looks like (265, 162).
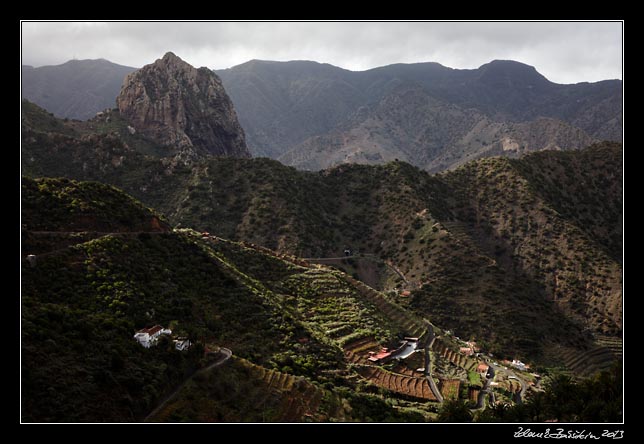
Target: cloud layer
(565, 52)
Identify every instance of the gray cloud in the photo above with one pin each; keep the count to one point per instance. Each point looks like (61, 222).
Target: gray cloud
(565, 52)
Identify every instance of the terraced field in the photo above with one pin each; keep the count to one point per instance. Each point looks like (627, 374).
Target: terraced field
(450, 388)
(615, 345)
(276, 396)
(510, 385)
(408, 386)
(301, 398)
(598, 358)
(410, 324)
(473, 394)
(337, 311)
(439, 346)
(356, 352)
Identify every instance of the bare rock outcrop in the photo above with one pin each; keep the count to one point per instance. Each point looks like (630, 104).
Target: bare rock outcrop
(181, 106)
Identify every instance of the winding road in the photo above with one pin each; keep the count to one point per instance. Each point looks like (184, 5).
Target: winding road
(428, 364)
(480, 402)
(518, 396)
(226, 354)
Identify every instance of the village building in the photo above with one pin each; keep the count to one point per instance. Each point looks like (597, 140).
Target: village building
(482, 369)
(467, 351)
(148, 337)
(381, 356)
(406, 348)
(518, 364)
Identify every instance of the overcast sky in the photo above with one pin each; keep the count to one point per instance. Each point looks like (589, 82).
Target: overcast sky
(565, 52)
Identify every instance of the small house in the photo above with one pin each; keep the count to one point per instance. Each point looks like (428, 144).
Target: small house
(482, 369)
(148, 337)
(467, 351)
(380, 356)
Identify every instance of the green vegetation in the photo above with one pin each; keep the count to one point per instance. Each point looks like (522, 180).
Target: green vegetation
(69, 205)
(82, 303)
(35, 117)
(593, 400)
(474, 379)
(517, 254)
(455, 411)
(243, 392)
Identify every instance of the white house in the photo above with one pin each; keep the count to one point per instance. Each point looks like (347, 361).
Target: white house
(143, 338)
(148, 337)
(518, 364)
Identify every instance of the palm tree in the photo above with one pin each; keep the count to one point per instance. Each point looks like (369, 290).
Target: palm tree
(455, 411)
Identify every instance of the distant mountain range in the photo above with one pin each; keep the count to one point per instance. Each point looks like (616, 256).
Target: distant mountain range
(77, 89)
(313, 115)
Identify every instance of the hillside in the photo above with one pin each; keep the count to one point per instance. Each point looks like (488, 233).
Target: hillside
(77, 89)
(518, 253)
(513, 242)
(411, 125)
(288, 323)
(314, 116)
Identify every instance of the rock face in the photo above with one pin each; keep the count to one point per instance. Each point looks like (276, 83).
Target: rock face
(178, 105)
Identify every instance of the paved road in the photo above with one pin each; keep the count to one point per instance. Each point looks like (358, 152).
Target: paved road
(480, 402)
(524, 387)
(428, 365)
(226, 354)
(330, 258)
(519, 396)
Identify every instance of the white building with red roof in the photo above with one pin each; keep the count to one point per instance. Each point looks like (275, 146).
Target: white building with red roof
(148, 337)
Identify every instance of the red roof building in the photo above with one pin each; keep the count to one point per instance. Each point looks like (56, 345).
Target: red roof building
(377, 357)
(152, 330)
(467, 351)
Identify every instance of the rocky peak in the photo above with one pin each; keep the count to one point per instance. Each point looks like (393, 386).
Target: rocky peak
(178, 105)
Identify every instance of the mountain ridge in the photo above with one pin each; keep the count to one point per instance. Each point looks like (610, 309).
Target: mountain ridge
(76, 89)
(291, 107)
(284, 108)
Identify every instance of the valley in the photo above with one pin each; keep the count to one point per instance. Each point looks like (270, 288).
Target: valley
(408, 286)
